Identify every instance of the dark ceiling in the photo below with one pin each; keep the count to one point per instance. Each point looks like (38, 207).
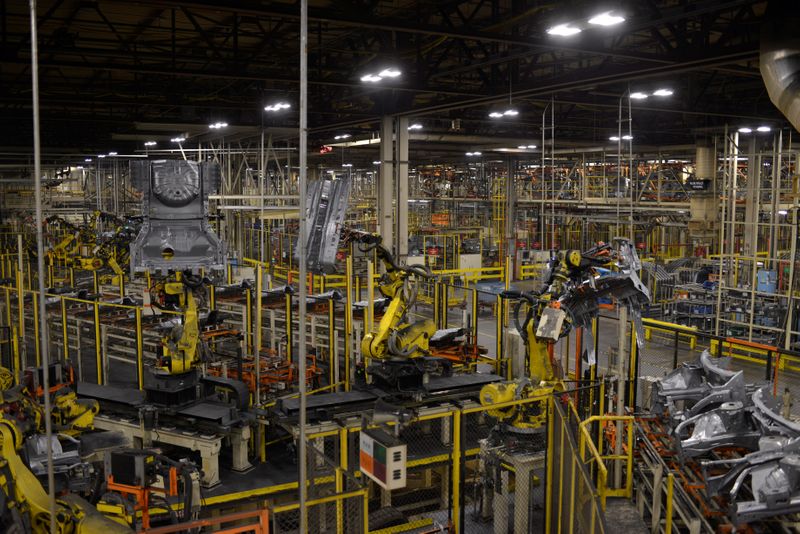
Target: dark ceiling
(116, 73)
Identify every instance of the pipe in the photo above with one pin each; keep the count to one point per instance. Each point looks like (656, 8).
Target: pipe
(301, 243)
(43, 336)
(780, 58)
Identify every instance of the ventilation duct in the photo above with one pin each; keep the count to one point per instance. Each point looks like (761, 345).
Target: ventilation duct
(780, 57)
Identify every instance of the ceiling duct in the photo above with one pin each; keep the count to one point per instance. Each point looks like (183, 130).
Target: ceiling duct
(780, 57)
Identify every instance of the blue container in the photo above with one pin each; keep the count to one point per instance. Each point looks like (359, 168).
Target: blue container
(767, 281)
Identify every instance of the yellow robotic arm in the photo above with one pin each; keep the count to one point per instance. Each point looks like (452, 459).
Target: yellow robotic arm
(27, 505)
(397, 350)
(181, 344)
(394, 336)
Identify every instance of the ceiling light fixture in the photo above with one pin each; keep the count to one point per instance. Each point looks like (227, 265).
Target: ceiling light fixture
(764, 129)
(531, 146)
(511, 113)
(347, 164)
(745, 129)
(376, 162)
(495, 115)
(218, 125)
(638, 95)
(606, 19)
(101, 156)
(88, 160)
(342, 136)
(663, 92)
(522, 147)
(112, 153)
(783, 212)
(627, 137)
(391, 72)
(371, 78)
(613, 138)
(178, 139)
(415, 126)
(563, 30)
(278, 106)
(150, 143)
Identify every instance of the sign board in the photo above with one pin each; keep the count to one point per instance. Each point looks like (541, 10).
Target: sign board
(383, 458)
(698, 185)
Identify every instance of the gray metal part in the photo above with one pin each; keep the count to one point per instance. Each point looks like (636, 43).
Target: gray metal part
(766, 411)
(730, 425)
(175, 233)
(327, 203)
(695, 381)
(774, 487)
(734, 390)
(714, 372)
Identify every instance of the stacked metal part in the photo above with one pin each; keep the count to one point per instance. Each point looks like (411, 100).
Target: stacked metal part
(325, 212)
(176, 234)
(709, 408)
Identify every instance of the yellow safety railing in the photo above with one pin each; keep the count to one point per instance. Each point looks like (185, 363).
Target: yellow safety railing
(596, 457)
(687, 332)
(533, 270)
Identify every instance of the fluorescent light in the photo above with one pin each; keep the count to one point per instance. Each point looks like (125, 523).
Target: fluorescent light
(391, 72)
(80, 168)
(473, 153)
(347, 164)
(101, 156)
(627, 137)
(522, 147)
(745, 129)
(495, 114)
(764, 129)
(342, 136)
(563, 30)
(376, 162)
(150, 143)
(663, 92)
(112, 153)
(638, 95)
(606, 19)
(415, 126)
(88, 160)
(511, 112)
(613, 138)
(371, 78)
(277, 107)
(531, 146)
(218, 125)
(783, 212)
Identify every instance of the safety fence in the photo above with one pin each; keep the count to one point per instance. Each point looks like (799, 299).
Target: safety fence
(666, 346)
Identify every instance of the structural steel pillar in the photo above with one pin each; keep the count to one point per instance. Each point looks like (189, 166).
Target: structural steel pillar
(401, 222)
(386, 183)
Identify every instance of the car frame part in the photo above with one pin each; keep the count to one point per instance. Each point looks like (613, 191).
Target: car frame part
(176, 234)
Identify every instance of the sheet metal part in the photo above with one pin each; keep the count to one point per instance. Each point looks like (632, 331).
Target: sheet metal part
(176, 234)
(701, 384)
(773, 470)
(325, 212)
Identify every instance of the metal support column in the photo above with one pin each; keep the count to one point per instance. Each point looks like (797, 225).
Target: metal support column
(385, 183)
(401, 222)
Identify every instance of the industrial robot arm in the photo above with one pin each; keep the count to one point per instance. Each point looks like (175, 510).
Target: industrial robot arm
(25, 507)
(568, 298)
(397, 348)
(181, 344)
(394, 337)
